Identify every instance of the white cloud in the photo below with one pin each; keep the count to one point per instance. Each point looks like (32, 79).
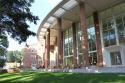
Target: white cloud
(54, 2)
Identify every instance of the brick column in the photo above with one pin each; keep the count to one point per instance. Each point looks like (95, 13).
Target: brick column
(47, 49)
(74, 45)
(84, 34)
(44, 54)
(98, 40)
(59, 43)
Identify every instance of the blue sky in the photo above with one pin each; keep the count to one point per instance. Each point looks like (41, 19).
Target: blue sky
(39, 8)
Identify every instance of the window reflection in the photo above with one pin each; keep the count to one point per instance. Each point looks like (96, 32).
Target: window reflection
(91, 38)
(116, 58)
(68, 43)
(93, 58)
(108, 31)
(91, 44)
(120, 23)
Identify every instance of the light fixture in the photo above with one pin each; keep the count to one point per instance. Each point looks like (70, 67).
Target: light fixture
(70, 4)
(51, 19)
(59, 12)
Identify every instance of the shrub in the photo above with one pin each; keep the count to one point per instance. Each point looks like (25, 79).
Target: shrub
(3, 71)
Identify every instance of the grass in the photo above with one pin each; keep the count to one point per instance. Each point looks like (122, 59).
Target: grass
(42, 77)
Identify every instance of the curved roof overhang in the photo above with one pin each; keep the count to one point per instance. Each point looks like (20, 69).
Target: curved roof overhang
(68, 10)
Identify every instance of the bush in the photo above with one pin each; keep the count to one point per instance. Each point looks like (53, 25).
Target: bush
(13, 70)
(3, 71)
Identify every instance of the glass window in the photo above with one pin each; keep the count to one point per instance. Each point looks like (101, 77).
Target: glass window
(68, 43)
(69, 60)
(120, 29)
(91, 38)
(80, 58)
(91, 34)
(109, 33)
(65, 61)
(79, 39)
(116, 58)
(118, 12)
(119, 20)
(93, 58)
(79, 45)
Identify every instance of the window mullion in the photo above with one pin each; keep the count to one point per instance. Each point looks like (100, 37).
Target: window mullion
(116, 31)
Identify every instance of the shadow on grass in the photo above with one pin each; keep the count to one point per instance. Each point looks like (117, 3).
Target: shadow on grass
(38, 77)
(80, 78)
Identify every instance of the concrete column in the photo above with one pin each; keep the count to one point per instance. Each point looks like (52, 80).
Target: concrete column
(47, 49)
(59, 42)
(84, 34)
(98, 40)
(74, 45)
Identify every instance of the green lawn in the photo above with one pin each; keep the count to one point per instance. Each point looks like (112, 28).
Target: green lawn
(42, 77)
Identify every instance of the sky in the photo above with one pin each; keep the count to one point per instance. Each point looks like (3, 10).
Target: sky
(39, 8)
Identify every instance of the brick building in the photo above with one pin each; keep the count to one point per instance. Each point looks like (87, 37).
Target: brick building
(30, 58)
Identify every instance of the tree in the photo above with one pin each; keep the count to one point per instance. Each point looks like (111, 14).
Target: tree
(14, 15)
(18, 56)
(3, 46)
(14, 56)
(10, 56)
(3, 41)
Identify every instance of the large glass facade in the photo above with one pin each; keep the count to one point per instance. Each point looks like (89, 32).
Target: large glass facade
(113, 25)
(113, 33)
(91, 41)
(113, 30)
(68, 46)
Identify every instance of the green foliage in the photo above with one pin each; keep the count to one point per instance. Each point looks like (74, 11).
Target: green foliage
(4, 41)
(14, 15)
(3, 46)
(13, 56)
(10, 56)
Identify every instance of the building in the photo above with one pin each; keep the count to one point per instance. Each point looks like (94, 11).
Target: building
(84, 33)
(30, 57)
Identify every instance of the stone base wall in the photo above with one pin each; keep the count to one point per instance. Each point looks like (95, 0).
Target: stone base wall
(90, 70)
